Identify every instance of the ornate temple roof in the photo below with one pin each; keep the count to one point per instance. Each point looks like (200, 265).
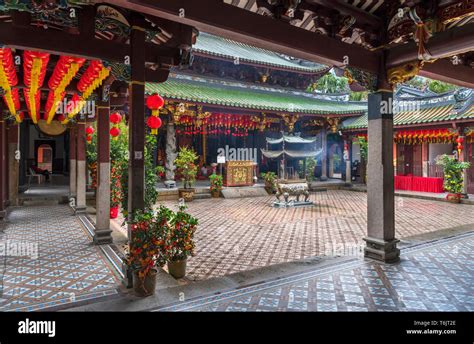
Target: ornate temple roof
(216, 46)
(250, 97)
(450, 106)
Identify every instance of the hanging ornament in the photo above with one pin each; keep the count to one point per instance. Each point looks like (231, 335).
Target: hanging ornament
(154, 122)
(9, 79)
(154, 103)
(115, 118)
(114, 132)
(34, 71)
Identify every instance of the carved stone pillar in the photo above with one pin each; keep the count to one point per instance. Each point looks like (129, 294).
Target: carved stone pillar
(170, 150)
(380, 241)
(324, 146)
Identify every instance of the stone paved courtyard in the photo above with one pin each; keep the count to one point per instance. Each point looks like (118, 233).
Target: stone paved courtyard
(58, 264)
(246, 233)
(430, 277)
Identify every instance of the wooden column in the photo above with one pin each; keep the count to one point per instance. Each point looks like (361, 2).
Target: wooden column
(13, 163)
(102, 232)
(72, 163)
(380, 241)
(136, 174)
(81, 168)
(3, 169)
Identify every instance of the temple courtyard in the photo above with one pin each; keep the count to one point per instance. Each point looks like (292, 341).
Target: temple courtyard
(235, 237)
(247, 233)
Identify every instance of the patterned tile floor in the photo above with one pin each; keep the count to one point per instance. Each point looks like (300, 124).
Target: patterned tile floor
(246, 233)
(435, 276)
(57, 265)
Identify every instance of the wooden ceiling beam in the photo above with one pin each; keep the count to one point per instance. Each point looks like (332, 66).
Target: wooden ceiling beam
(361, 16)
(219, 18)
(444, 70)
(61, 43)
(451, 42)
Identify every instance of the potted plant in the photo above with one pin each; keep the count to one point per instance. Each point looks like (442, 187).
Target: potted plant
(453, 176)
(185, 162)
(116, 194)
(270, 180)
(216, 184)
(143, 249)
(180, 242)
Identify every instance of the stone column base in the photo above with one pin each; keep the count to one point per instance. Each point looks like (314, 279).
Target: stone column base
(102, 236)
(323, 178)
(79, 210)
(3, 214)
(381, 250)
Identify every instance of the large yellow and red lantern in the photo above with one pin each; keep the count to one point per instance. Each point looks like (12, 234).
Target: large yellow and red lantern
(34, 71)
(64, 71)
(154, 103)
(9, 79)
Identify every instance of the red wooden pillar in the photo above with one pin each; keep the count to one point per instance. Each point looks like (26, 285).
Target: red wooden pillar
(136, 175)
(3, 169)
(102, 232)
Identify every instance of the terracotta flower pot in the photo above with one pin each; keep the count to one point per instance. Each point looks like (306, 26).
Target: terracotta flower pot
(453, 198)
(215, 193)
(177, 268)
(114, 212)
(145, 286)
(186, 194)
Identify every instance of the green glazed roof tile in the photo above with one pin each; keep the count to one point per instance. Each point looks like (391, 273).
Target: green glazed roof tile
(250, 97)
(222, 47)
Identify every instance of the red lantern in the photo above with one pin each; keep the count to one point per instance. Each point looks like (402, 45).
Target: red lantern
(90, 130)
(115, 118)
(114, 132)
(155, 102)
(89, 138)
(154, 123)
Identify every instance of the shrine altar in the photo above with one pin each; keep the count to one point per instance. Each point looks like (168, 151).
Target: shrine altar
(239, 173)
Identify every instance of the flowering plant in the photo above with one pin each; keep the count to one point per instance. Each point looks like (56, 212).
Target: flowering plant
(216, 182)
(144, 244)
(180, 237)
(453, 173)
(185, 162)
(116, 193)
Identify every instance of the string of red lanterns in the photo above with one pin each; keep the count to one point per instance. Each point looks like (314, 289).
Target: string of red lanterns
(34, 71)
(9, 79)
(414, 137)
(115, 118)
(64, 71)
(154, 103)
(218, 124)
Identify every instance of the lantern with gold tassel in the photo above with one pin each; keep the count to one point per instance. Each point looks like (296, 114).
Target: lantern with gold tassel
(154, 103)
